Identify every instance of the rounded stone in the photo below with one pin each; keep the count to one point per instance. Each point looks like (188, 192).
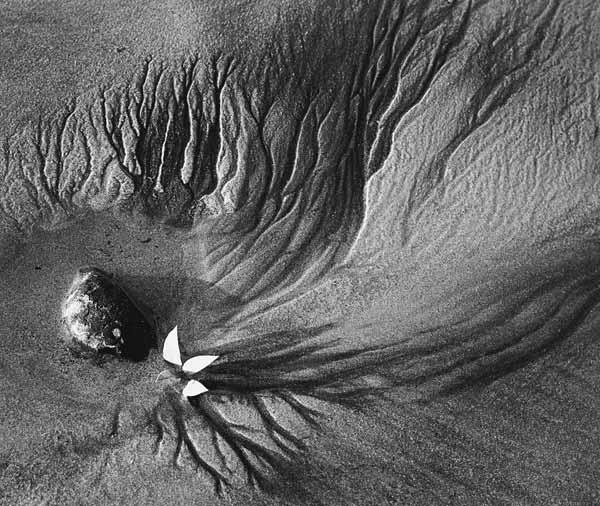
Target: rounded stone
(101, 317)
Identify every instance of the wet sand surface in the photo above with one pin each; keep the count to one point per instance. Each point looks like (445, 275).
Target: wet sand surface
(387, 229)
(528, 437)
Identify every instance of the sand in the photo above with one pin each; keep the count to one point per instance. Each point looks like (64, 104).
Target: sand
(403, 290)
(528, 437)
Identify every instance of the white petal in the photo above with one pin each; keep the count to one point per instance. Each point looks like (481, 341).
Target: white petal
(171, 351)
(196, 364)
(194, 388)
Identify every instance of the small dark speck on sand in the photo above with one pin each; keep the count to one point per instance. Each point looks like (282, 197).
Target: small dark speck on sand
(37, 267)
(120, 49)
(145, 241)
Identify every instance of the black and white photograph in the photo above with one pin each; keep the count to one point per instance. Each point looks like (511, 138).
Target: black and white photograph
(299, 252)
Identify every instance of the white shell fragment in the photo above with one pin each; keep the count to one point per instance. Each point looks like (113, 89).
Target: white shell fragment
(194, 388)
(171, 351)
(172, 354)
(196, 364)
